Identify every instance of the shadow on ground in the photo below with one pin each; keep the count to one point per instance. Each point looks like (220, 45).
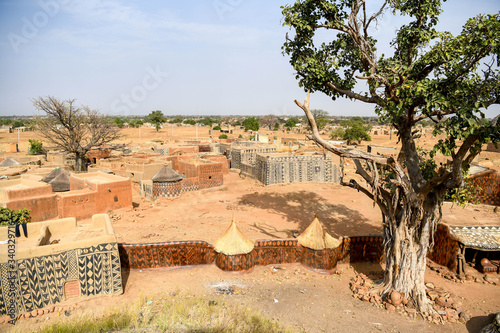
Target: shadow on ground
(301, 206)
(475, 324)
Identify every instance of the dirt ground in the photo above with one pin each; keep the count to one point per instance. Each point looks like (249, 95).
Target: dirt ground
(291, 293)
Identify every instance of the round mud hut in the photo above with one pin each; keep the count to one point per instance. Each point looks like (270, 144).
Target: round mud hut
(234, 250)
(320, 251)
(167, 183)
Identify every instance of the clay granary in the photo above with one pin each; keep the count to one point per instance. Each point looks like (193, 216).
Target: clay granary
(66, 195)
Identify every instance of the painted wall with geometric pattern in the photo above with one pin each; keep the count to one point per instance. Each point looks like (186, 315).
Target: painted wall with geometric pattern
(40, 281)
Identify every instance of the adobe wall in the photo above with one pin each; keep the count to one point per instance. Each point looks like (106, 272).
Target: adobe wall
(219, 159)
(210, 175)
(445, 250)
(76, 184)
(79, 204)
(42, 207)
(32, 189)
(489, 182)
(187, 169)
(115, 195)
(265, 252)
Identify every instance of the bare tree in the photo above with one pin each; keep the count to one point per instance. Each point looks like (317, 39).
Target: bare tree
(74, 129)
(268, 121)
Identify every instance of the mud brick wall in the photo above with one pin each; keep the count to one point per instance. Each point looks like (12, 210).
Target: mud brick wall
(76, 183)
(113, 195)
(42, 208)
(79, 205)
(489, 182)
(219, 159)
(188, 170)
(362, 248)
(445, 248)
(265, 252)
(210, 175)
(168, 254)
(41, 281)
(190, 184)
(23, 193)
(167, 189)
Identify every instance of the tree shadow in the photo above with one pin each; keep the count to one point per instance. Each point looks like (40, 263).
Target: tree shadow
(301, 206)
(475, 324)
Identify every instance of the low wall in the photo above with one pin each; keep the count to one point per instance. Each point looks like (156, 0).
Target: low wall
(445, 250)
(265, 252)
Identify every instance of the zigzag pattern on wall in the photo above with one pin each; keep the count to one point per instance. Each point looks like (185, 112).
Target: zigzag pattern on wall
(41, 279)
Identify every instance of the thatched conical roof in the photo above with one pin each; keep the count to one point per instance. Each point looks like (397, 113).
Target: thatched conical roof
(233, 242)
(315, 237)
(61, 183)
(54, 173)
(166, 174)
(9, 162)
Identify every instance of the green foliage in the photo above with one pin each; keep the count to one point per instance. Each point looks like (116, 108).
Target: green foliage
(251, 123)
(251, 137)
(176, 120)
(236, 123)
(190, 121)
(337, 133)
(240, 136)
(217, 128)
(36, 147)
(207, 121)
(355, 130)
(118, 122)
(276, 127)
(223, 136)
(157, 119)
(291, 122)
(17, 123)
(5, 121)
(468, 194)
(11, 217)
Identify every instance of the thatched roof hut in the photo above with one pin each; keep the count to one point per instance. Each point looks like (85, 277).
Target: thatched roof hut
(233, 242)
(9, 162)
(53, 174)
(61, 183)
(315, 237)
(166, 174)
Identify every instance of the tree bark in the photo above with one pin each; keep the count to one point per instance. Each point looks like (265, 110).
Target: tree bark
(407, 235)
(80, 160)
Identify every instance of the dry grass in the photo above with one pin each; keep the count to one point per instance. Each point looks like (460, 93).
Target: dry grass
(170, 314)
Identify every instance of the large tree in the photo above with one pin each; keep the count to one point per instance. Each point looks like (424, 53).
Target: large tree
(157, 118)
(74, 129)
(428, 75)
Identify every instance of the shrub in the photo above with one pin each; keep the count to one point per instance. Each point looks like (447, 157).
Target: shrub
(216, 128)
(35, 147)
(223, 136)
(11, 217)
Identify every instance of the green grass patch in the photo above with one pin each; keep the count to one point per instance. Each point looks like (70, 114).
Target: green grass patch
(170, 314)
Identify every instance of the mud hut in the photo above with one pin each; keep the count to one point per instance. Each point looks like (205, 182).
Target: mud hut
(61, 183)
(234, 250)
(54, 173)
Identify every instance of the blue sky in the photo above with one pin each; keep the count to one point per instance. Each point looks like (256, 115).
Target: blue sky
(181, 57)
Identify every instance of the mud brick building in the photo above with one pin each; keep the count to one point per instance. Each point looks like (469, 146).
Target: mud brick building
(89, 194)
(489, 182)
(83, 263)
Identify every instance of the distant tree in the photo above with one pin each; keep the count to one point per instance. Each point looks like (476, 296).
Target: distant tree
(5, 121)
(291, 122)
(251, 123)
(74, 129)
(355, 130)
(337, 133)
(17, 123)
(223, 136)
(321, 118)
(276, 127)
(157, 119)
(176, 120)
(36, 147)
(118, 122)
(207, 121)
(268, 121)
(190, 121)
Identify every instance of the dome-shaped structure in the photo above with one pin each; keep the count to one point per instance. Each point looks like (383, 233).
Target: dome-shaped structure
(166, 174)
(315, 237)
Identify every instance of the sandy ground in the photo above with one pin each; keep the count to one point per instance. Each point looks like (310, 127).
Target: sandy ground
(290, 293)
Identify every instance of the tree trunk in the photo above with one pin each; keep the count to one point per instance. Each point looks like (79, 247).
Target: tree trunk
(80, 162)
(407, 236)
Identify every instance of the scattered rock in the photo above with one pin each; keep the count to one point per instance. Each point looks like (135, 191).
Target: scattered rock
(390, 307)
(395, 298)
(430, 285)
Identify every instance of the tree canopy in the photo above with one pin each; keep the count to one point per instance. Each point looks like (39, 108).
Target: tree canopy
(251, 123)
(74, 129)
(157, 119)
(430, 75)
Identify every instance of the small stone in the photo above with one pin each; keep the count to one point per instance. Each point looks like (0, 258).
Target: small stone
(411, 311)
(52, 309)
(34, 313)
(432, 295)
(450, 313)
(395, 297)
(40, 312)
(430, 285)
(469, 278)
(464, 316)
(441, 301)
(27, 315)
(390, 307)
